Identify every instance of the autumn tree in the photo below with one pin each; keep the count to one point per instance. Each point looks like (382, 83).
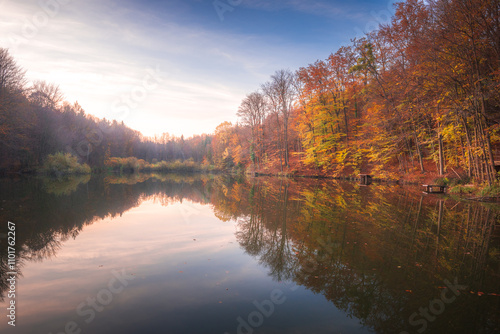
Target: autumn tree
(221, 146)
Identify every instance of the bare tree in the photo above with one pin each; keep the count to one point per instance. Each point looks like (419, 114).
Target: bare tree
(252, 111)
(45, 94)
(281, 92)
(11, 75)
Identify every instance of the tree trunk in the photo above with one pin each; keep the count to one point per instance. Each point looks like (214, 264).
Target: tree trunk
(280, 150)
(441, 155)
(285, 144)
(490, 152)
(420, 160)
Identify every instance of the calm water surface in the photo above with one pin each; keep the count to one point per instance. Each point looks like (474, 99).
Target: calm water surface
(208, 254)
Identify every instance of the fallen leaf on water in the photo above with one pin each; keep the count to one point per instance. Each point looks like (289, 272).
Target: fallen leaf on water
(181, 271)
(409, 291)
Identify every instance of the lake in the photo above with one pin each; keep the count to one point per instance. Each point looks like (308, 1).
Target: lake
(214, 254)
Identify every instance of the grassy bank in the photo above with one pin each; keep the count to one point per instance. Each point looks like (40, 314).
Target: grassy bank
(134, 165)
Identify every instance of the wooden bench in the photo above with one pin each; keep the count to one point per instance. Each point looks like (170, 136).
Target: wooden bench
(434, 188)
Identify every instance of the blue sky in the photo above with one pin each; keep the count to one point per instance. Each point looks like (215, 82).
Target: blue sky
(170, 65)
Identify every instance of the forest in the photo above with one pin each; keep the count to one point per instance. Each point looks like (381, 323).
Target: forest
(415, 98)
(419, 95)
(36, 122)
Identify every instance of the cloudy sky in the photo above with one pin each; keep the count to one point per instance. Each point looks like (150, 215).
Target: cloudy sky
(176, 66)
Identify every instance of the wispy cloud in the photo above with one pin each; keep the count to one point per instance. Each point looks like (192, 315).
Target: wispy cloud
(98, 51)
(332, 9)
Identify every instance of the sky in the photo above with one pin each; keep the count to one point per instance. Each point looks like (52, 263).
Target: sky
(175, 66)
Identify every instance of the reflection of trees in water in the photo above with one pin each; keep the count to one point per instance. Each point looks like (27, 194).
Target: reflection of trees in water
(65, 185)
(262, 228)
(378, 253)
(44, 247)
(48, 212)
(363, 248)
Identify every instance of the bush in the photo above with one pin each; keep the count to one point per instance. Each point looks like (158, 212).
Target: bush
(61, 164)
(125, 165)
(462, 189)
(490, 191)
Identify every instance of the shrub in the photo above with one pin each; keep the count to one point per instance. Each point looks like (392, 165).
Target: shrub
(61, 164)
(491, 191)
(127, 165)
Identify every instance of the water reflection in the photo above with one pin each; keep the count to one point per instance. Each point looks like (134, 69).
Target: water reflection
(379, 254)
(52, 211)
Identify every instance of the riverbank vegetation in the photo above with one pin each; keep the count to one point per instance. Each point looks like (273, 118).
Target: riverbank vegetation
(63, 164)
(417, 99)
(134, 165)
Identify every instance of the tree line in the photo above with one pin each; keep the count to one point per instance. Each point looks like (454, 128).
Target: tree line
(36, 122)
(420, 94)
